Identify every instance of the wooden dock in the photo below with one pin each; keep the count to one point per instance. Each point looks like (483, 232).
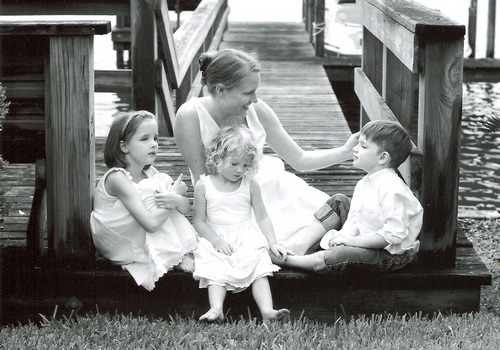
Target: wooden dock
(475, 69)
(298, 90)
(296, 86)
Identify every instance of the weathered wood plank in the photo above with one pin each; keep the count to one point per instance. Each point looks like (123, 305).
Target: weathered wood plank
(70, 145)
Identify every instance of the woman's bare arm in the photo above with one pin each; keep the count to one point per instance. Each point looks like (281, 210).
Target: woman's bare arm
(188, 139)
(285, 147)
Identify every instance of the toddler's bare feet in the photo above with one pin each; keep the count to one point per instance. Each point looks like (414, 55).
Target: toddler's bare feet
(212, 315)
(187, 264)
(276, 315)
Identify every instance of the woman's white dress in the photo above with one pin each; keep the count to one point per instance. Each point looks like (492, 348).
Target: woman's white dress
(120, 238)
(289, 200)
(229, 215)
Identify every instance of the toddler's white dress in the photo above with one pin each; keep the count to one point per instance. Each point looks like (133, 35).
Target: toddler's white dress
(289, 200)
(120, 238)
(229, 215)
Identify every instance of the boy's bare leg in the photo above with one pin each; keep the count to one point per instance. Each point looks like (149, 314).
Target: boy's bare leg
(262, 294)
(308, 239)
(305, 262)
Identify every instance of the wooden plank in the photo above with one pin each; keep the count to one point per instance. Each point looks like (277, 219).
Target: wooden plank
(196, 86)
(60, 28)
(439, 140)
(64, 7)
(190, 37)
(144, 52)
(165, 96)
(419, 19)
(119, 80)
(400, 40)
(70, 145)
(167, 43)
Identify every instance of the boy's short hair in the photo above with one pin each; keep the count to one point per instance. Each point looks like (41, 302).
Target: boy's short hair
(390, 137)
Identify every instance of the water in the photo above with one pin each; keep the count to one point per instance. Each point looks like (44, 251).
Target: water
(480, 150)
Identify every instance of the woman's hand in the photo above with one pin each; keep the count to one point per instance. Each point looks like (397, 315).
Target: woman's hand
(351, 142)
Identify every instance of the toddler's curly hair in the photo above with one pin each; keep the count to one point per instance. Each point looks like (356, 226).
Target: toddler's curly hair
(232, 142)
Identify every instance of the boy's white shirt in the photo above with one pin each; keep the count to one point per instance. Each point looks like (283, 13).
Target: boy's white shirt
(383, 204)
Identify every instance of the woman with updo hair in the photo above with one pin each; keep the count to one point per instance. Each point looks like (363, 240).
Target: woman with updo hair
(231, 78)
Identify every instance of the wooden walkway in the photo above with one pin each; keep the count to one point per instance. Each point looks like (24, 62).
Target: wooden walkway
(296, 86)
(293, 83)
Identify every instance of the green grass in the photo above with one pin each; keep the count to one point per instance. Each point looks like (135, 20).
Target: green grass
(467, 331)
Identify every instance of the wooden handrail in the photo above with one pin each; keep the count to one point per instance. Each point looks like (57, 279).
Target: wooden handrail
(191, 35)
(64, 7)
(61, 62)
(180, 51)
(167, 43)
(412, 71)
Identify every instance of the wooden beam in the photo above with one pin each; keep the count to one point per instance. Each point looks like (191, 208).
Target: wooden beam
(167, 43)
(64, 7)
(70, 147)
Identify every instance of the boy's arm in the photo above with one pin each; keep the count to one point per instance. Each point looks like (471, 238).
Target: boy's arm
(200, 221)
(373, 241)
(397, 208)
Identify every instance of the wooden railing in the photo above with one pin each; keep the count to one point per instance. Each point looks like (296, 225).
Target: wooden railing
(161, 73)
(58, 56)
(412, 69)
(313, 12)
(60, 94)
(490, 30)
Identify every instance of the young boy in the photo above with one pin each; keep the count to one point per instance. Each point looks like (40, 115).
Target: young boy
(384, 219)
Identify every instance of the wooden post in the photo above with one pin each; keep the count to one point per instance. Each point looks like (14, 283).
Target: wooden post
(490, 35)
(414, 43)
(319, 28)
(70, 145)
(144, 54)
(68, 71)
(472, 27)
(440, 116)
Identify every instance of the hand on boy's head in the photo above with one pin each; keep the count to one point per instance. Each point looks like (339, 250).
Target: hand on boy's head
(352, 141)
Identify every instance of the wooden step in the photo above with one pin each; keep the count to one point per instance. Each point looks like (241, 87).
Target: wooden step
(32, 292)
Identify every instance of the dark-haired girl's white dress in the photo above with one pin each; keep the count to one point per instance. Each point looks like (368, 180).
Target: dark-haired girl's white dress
(290, 201)
(120, 238)
(229, 215)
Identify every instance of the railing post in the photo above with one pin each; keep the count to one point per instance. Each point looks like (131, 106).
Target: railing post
(64, 57)
(70, 145)
(319, 28)
(144, 54)
(440, 117)
(490, 42)
(403, 40)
